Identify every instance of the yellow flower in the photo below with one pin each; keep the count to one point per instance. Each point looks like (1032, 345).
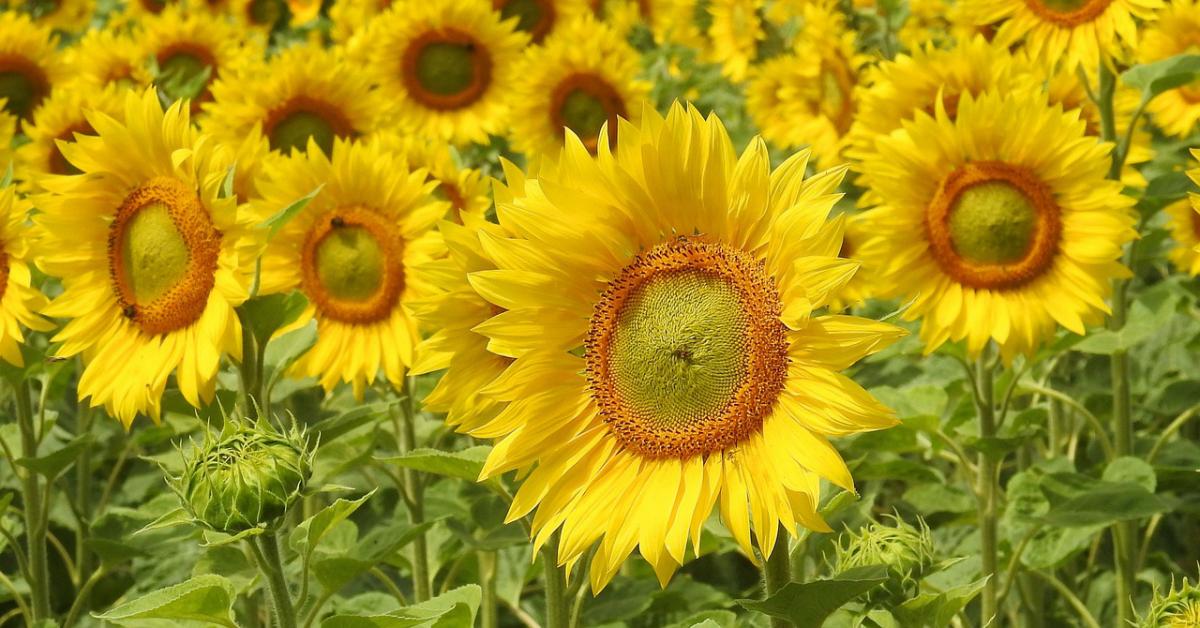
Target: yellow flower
(669, 21)
(1184, 223)
(1177, 31)
(104, 56)
(1066, 32)
(735, 35)
(563, 85)
(997, 224)
(355, 251)
(258, 15)
(59, 118)
(303, 92)
(151, 258)
(349, 17)
(29, 62)
(447, 66)
(186, 44)
(8, 130)
(540, 18)
(19, 299)
(464, 188)
(658, 304)
(859, 288)
(64, 15)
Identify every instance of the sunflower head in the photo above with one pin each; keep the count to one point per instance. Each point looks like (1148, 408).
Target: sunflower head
(906, 550)
(1175, 608)
(30, 64)
(244, 477)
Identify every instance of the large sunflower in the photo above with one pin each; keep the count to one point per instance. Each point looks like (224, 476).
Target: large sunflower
(564, 85)
(59, 118)
(19, 299)
(104, 56)
(355, 251)
(658, 303)
(186, 44)
(1177, 31)
(996, 224)
(447, 66)
(451, 313)
(1068, 32)
(30, 64)
(151, 258)
(464, 188)
(304, 92)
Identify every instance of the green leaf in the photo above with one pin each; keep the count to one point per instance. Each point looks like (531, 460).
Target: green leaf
(808, 604)
(1155, 78)
(305, 538)
(453, 609)
(281, 218)
(202, 601)
(708, 619)
(937, 610)
(1105, 503)
(227, 183)
(1132, 470)
(267, 314)
(59, 460)
(466, 464)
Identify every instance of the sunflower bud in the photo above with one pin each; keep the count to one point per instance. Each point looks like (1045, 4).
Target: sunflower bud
(1174, 609)
(245, 477)
(905, 550)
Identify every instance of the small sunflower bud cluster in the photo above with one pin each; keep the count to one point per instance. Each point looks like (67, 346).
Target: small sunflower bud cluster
(907, 551)
(1175, 608)
(245, 477)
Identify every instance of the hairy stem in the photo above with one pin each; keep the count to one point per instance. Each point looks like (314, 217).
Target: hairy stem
(777, 573)
(986, 488)
(407, 435)
(556, 587)
(35, 522)
(266, 553)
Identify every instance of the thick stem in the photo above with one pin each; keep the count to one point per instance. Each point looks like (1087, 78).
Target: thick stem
(416, 492)
(777, 573)
(266, 552)
(556, 587)
(83, 497)
(1125, 532)
(251, 370)
(488, 615)
(35, 523)
(986, 488)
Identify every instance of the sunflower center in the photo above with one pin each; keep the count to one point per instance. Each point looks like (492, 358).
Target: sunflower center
(58, 162)
(1068, 13)
(265, 12)
(181, 69)
(685, 352)
(535, 17)
(993, 225)
(584, 103)
(446, 69)
(290, 125)
(163, 252)
(352, 265)
(22, 84)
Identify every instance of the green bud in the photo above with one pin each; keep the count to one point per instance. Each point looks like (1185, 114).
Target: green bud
(1174, 609)
(906, 551)
(246, 477)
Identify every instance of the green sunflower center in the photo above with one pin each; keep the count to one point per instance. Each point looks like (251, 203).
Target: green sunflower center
(529, 13)
(992, 223)
(21, 90)
(350, 263)
(182, 74)
(154, 253)
(294, 129)
(446, 68)
(583, 113)
(679, 351)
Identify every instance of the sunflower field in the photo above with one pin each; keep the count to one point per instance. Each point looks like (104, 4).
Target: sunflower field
(600, 313)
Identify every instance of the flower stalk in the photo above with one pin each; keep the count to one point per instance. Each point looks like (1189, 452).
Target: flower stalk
(986, 489)
(406, 433)
(556, 586)
(777, 572)
(265, 549)
(35, 512)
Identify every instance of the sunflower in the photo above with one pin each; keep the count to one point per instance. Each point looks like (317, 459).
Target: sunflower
(539, 18)
(349, 17)
(734, 35)
(996, 224)
(1067, 32)
(464, 188)
(447, 66)
(451, 313)
(187, 44)
(64, 15)
(1177, 31)
(152, 259)
(1183, 220)
(258, 15)
(564, 85)
(30, 65)
(355, 251)
(303, 92)
(808, 96)
(657, 302)
(104, 56)
(669, 21)
(895, 91)
(59, 118)
(19, 298)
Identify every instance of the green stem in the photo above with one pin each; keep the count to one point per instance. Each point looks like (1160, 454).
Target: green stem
(251, 370)
(1124, 533)
(35, 523)
(266, 553)
(17, 598)
(83, 496)
(407, 434)
(986, 489)
(488, 615)
(777, 572)
(556, 587)
(81, 598)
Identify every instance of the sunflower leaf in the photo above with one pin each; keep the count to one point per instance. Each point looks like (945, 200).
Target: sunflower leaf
(1155, 78)
(808, 604)
(281, 218)
(203, 600)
